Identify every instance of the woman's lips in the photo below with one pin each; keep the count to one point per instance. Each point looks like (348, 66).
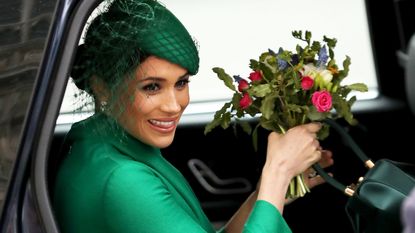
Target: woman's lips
(164, 126)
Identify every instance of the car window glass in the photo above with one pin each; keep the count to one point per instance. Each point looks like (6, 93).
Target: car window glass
(24, 26)
(230, 33)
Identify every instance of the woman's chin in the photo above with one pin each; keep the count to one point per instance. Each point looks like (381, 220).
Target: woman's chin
(162, 142)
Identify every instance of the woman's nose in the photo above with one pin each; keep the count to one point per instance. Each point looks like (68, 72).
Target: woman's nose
(171, 103)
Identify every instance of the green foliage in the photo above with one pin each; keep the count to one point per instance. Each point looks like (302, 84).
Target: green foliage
(222, 75)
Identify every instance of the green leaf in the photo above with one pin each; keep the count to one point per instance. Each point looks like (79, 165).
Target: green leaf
(285, 55)
(254, 64)
(340, 104)
(268, 70)
(358, 87)
(220, 112)
(228, 80)
(349, 118)
(315, 115)
(267, 124)
(260, 90)
(331, 42)
(316, 46)
(299, 50)
(226, 120)
(246, 127)
(346, 63)
(294, 108)
(324, 132)
(217, 120)
(211, 125)
(268, 105)
(352, 100)
(331, 55)
(308, 36)
(297, 34)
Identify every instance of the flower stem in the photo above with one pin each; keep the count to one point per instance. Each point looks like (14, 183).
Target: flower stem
(297, 187)
(283, 131)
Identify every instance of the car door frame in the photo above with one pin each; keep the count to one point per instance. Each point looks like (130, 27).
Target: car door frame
(40, 122)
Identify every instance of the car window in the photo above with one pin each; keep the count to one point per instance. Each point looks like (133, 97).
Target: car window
(24, 26)
(230, 33)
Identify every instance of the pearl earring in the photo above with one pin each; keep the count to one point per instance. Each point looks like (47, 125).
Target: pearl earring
(103, 106)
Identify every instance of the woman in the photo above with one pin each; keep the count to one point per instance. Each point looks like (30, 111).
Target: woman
(136, 62)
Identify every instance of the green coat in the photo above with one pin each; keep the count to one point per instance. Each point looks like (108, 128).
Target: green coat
(112, 183)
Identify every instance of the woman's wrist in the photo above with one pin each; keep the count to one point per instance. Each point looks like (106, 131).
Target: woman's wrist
(274, 184)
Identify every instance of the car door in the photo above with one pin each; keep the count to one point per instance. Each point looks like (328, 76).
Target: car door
(37, 46)
(24, 27)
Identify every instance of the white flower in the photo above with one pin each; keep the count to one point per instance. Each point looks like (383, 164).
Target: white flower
(319, 74)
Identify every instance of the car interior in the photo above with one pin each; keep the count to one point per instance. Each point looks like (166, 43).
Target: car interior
(223, 167)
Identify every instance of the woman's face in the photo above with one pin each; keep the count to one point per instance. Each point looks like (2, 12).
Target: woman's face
(153, 101)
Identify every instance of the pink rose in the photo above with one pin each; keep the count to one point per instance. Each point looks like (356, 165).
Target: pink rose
(307, 83)
(322, 100)
(255, 76)
(243, 85)
(246, 101)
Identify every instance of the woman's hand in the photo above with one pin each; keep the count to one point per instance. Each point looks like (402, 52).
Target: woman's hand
(295, 151)
(312, 179)
(288, 155)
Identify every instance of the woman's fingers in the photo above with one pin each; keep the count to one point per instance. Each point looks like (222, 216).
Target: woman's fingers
(314, 181)
(297, 149)
(313, 127)
(311, 176)
(326, 159)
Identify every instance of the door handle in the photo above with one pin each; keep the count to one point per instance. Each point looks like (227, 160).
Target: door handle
(215, 185)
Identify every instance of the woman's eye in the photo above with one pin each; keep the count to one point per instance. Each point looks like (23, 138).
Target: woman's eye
(153, 87)
(182, 83)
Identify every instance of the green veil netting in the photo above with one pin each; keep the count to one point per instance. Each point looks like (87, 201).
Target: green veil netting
(125, 32)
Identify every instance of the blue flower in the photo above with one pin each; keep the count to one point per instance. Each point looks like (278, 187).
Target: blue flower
(322, 56)
(237, 78)
(282, 64)
(294, 59)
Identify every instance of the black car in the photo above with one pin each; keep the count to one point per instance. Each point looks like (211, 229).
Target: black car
(37, 46)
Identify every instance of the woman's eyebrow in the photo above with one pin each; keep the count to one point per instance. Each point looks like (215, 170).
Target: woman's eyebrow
(160, 79)
(186, 75)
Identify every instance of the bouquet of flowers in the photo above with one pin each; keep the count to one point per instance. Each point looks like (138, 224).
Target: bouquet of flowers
(286, 89)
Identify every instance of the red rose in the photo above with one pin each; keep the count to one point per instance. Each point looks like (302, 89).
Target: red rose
(307, 83)
(322, 100)
(246, 101)
(255, 76)
(242, 85)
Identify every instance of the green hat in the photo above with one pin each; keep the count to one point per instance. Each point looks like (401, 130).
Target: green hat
(127, 32)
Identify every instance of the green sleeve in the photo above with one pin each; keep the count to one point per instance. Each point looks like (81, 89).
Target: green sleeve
(265, 218)
(135, 199)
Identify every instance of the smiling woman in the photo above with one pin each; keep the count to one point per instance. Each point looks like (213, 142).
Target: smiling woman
(37, 52)
(135, 62)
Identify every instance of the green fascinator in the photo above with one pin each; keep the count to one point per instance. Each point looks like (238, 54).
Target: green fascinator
(127, 32)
